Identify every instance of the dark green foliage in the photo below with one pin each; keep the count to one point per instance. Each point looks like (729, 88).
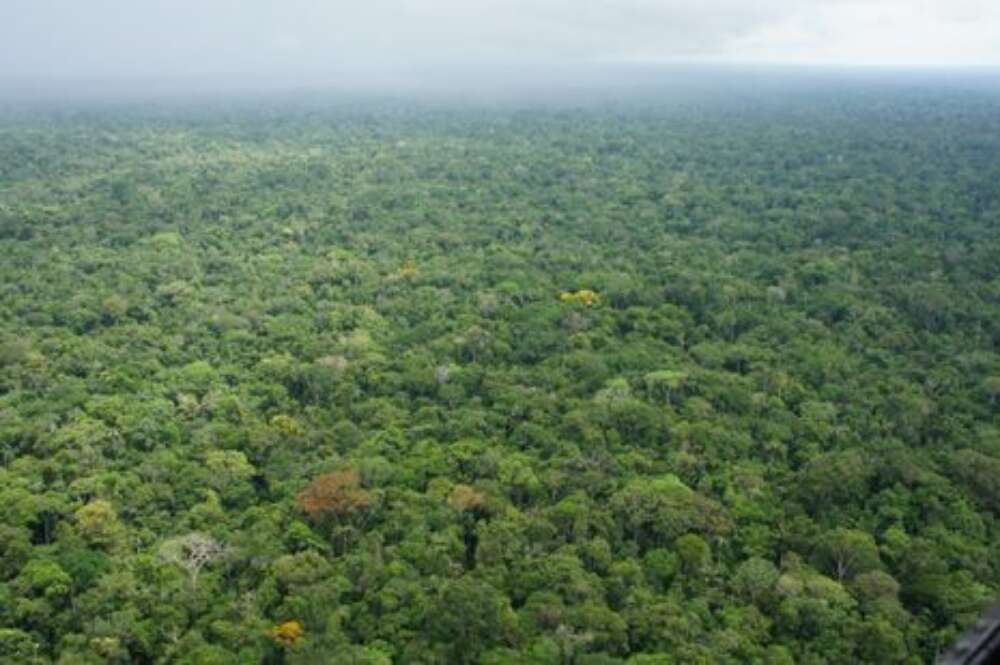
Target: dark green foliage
(769, 433)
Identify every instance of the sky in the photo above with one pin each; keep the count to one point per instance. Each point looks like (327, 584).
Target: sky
(128, 39)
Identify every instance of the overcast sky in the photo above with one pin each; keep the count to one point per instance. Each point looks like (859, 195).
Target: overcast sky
(60, 39)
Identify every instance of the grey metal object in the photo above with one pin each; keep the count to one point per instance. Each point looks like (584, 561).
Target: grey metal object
(979, 646)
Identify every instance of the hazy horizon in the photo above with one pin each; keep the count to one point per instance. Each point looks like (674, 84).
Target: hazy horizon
(54, 46)
(510, 83)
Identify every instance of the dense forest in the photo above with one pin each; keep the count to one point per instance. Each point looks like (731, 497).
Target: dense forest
(392, 381)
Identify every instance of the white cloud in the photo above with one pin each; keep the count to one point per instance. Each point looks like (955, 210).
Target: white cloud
(900, 32)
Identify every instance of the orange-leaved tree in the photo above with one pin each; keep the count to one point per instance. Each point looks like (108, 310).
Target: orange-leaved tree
(335, 495)
(337, 501)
